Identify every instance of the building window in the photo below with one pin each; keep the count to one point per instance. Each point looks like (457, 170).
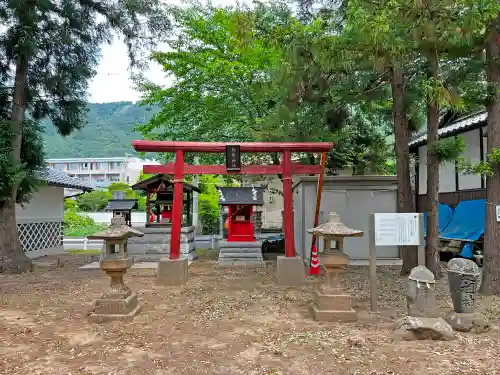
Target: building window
(113, 165)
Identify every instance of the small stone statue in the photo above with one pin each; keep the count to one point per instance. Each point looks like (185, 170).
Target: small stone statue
(422, 322)
(421, 296)
(463, 276)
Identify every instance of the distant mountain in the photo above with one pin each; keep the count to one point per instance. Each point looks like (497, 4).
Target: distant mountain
(108, 132)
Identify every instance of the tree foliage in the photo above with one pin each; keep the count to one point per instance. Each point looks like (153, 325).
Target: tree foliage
(48, 53)
(108, 132)
(234, 79)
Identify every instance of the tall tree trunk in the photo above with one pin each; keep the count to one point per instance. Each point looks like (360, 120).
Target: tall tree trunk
(491, 268)
(12, 257)
(431, 240)
(401, 132)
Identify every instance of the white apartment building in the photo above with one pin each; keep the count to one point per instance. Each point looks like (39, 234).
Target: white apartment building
(101, 172)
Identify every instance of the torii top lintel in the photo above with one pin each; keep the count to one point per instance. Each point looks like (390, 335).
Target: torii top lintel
(172, 146)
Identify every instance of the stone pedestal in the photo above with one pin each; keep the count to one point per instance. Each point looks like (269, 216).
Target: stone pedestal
(418, 328)
(117, 302)
(463, 276)
(422, 322)
(247, 254)
(155, 244)
(290, 271)
(468, 322)
(172, 271)
(331, 303)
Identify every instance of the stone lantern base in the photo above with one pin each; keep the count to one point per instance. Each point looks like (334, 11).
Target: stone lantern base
(117, 302)
(333, 308)
(331, 302)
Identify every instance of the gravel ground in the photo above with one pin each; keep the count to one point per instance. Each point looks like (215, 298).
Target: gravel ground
(222, 322)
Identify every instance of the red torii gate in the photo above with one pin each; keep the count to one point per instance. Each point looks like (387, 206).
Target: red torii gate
(178, 169)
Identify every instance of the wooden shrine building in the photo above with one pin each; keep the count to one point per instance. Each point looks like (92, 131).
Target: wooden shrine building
(240, 202)
(122, 208)
(160, 200)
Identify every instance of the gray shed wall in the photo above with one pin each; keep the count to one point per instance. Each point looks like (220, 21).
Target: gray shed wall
(353, 198)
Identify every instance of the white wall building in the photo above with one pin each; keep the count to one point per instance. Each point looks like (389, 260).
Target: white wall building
(354, 198)
(272, 218)
(454, 186)
(101, 172)
(40, 221)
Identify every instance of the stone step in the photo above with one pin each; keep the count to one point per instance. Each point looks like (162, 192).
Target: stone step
(156, 249)
(164, 230)
(241, 263)
(241, 255)
(254, 244)
(240, 251)
(160, 239)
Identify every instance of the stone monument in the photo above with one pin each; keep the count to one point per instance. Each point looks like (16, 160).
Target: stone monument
(463, 276)
(331, 302)
(117, 302)
(422, 322)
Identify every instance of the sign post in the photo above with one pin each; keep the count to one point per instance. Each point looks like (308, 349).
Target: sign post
(233, 158)
(393, 229)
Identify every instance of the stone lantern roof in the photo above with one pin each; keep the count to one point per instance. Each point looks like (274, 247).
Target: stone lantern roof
(117, 230)
(335, 228)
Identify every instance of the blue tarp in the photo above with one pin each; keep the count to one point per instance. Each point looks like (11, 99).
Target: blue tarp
(465, 222)
(445, 213)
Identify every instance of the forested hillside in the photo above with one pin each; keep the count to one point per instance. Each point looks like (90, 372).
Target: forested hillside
(108, 132)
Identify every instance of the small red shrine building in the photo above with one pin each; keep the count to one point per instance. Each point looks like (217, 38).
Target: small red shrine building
(240, 202)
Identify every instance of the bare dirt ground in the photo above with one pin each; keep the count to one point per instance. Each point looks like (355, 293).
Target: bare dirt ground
(223, 321)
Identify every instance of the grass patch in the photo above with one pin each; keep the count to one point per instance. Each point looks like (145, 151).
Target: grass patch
(84, 252)
(207, 253)
(83, 231)
(76, 225)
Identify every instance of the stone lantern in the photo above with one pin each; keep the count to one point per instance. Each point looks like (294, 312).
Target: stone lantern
(117, 302)
(331, 303)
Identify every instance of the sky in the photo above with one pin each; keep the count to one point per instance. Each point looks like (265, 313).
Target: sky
(112, 82)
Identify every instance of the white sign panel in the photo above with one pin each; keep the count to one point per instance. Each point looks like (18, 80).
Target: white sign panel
(498, 213)
(397, 229)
